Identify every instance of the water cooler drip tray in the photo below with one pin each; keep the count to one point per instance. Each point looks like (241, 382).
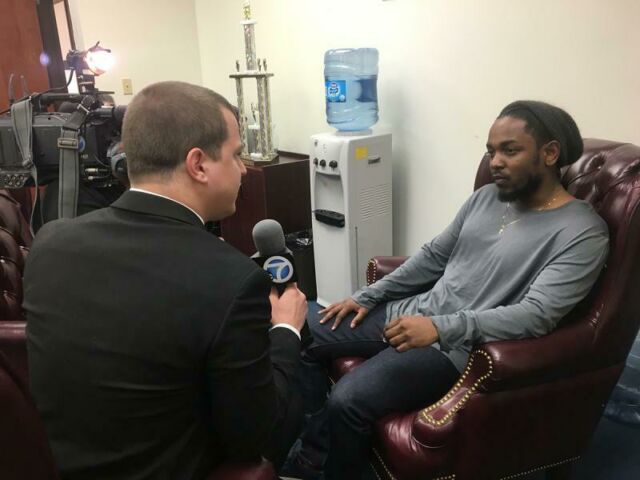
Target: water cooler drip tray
(330, 217)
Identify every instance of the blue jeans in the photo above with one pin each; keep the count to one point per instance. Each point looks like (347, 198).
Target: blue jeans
(339, 428)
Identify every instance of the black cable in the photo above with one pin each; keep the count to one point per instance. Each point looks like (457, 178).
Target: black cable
(10, 91)
(36, 95)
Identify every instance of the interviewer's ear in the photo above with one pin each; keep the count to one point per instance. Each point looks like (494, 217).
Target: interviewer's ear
(196, 165)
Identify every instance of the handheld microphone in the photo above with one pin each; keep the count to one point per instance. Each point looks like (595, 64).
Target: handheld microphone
(277, 260)
(272, 254)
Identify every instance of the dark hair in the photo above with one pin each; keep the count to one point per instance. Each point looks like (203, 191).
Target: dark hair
(105, 98)
(546, 122)
(166, 120)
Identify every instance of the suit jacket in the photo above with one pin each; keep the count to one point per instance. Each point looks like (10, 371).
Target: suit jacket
(149, 348)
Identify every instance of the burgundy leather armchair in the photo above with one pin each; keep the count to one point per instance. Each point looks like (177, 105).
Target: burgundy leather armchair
(530, 405)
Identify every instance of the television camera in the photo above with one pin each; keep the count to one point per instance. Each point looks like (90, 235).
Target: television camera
(70, 137)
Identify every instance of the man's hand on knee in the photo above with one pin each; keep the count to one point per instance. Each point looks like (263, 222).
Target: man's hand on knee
(411, 331)
(341, 310)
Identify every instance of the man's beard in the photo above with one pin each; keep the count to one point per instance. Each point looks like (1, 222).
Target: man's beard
(533, 182)
(531, 185)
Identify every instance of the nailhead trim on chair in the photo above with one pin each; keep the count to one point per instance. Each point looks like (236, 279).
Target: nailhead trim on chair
(537, 469)
(376, 472)
(390, 475)
(384, 465)
(372, 271)
(425, 413)
(453, 476)
(7, 259)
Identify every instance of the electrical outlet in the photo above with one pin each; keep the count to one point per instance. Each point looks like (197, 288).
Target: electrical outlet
(127, 86)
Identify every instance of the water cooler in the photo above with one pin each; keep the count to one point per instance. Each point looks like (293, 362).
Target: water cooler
(351, 208)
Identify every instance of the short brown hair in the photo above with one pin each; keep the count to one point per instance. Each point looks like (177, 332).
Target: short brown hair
(166, 120)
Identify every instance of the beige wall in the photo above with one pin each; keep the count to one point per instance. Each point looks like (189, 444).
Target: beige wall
(446, 69)
(151, 40)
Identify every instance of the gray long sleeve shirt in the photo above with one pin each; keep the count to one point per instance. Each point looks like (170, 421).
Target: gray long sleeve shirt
(496, 286)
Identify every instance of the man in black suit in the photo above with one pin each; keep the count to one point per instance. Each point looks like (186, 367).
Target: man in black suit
(155, 349)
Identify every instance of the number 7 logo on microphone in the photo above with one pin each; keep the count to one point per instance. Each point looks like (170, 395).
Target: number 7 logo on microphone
(279, 268)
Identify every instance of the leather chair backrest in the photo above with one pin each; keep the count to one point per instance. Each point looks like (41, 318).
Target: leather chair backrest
(24, 199)
(24, 449)
(15, 240)
(12, 217)
(608, 176)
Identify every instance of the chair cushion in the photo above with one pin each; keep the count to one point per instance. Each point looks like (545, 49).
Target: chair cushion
(342, 366)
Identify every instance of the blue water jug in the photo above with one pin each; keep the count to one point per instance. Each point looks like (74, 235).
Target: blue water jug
(351, 76)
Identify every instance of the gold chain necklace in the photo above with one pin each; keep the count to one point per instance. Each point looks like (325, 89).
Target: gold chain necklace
(504, 219)
(508, 209)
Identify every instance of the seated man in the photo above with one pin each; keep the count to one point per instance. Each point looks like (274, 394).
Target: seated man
(520, 253)
(153, 347)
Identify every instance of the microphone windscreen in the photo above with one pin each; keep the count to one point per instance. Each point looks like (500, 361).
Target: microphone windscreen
(268, 237)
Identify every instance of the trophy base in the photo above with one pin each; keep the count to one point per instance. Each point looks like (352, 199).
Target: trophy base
(258, 158)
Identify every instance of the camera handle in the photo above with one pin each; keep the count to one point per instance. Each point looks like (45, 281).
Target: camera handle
(69, 169)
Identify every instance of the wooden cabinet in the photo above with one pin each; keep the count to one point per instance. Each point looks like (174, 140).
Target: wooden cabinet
(278, 190)
(28, 35)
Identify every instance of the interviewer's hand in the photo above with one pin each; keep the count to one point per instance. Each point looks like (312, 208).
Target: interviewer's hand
(289, 308)
(341, 310)
(405, 333)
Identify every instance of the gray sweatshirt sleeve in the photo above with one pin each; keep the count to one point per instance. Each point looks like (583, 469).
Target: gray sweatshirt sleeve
(420, 270)
(557, 289)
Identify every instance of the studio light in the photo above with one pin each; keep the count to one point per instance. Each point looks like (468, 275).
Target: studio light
(99, 60)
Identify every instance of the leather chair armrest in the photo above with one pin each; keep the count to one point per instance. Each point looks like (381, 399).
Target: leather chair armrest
(247, 470)
(505, 365)
(13, 344)
(519, 363)
(432, 426)
(378, 267)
